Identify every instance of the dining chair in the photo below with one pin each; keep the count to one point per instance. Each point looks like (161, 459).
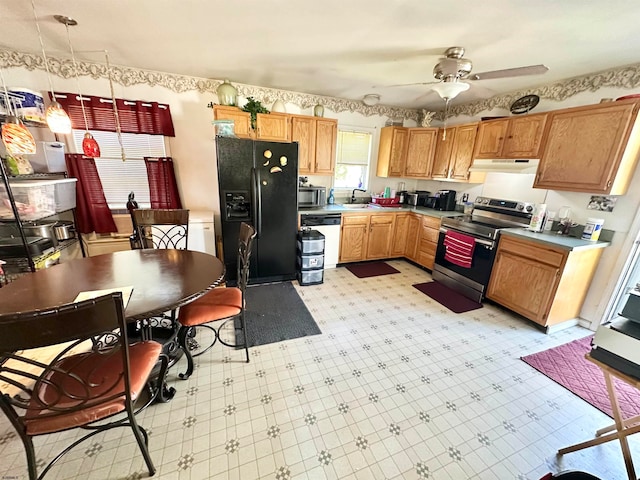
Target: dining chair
(161, 228)
(224, 303)
(95, 373)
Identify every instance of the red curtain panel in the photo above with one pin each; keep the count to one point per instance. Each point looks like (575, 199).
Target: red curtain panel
(163, 188)
(135, 116)
(92, 212)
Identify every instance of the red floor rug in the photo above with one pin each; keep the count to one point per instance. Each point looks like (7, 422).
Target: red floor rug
(373, 269)
(567, 366)
(454, 301)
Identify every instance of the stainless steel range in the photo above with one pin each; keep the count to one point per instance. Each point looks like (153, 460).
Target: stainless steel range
(490, 215)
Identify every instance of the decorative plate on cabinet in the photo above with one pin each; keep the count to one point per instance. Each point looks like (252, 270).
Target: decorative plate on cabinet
(524, 104)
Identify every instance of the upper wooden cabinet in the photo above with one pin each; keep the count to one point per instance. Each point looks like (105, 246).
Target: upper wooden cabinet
(591, 149)
(273, 127)
(392, 151)
(316, 139)
(406, 152)
(241, 120)
(326, 138)
(454, 154)
(421, 147)
(515, 137)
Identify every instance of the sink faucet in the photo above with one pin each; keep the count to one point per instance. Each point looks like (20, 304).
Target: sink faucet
(353, 194)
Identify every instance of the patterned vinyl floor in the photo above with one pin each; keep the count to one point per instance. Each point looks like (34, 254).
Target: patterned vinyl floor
(396, 387)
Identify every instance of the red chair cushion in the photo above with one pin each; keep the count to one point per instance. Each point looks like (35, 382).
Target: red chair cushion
(217, 304)
(104, 396)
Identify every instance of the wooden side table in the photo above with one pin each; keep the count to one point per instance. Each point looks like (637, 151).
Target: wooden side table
(622, 428)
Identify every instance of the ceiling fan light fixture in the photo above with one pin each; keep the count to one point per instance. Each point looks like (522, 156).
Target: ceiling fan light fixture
(450, 90)
(371, 99)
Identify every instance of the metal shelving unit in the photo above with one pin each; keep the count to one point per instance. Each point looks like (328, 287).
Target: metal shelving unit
(30, 262)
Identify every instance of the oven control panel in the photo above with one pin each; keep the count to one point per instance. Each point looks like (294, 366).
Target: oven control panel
(507, 206)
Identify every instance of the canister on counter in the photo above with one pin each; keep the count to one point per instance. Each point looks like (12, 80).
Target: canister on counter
(537, 217)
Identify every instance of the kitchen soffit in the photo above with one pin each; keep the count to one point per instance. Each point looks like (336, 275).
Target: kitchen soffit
(343, 49)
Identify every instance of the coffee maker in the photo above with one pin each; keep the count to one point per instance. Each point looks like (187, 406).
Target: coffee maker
(445, 200)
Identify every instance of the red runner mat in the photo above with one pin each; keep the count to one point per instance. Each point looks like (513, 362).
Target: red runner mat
(373, 269)
(454, 301)
(567, 366)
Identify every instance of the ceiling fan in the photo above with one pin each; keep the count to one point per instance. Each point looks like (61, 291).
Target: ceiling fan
(453, 67)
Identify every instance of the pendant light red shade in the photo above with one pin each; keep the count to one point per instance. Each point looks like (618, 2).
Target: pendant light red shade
(16, 138)
(89, 146)
(57, 119)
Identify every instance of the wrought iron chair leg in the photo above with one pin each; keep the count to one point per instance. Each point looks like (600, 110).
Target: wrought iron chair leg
(182, 340)
(31, 457)
(244, 334)
(142, 439)
(164, 393)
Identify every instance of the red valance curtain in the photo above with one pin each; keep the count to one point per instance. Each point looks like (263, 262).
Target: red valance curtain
(163, 188)
(135, 116)
(92, 212)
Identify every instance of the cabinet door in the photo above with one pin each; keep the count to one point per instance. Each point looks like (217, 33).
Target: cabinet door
(241, 120)
(444, 148)
(462, 154)
(380, 234)
(353, 237)
(273, 127)
(524, 136)
(398, 152)
(303, 131)
(399, 238)
(326, 137)
(584, 148)
(491, 138)
(420, 150)
(413, 229)
(523, 285)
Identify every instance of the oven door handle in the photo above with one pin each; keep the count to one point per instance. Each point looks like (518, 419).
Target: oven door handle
(486, 243)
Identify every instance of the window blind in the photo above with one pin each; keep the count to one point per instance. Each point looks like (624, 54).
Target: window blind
(120, 178)
(353, 148)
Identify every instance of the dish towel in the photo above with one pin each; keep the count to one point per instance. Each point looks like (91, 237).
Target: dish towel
(459, 248)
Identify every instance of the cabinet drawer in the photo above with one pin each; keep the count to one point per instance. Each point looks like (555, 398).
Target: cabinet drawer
(431, 222)
(428, 247)
(429, 234)
(355, 219)
(533, 251)
(426, 260)
(382, 219)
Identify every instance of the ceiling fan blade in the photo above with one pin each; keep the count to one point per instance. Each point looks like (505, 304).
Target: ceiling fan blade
(510, 72)
(405, 84)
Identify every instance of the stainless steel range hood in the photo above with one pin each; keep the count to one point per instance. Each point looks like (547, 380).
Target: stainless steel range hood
(505, 165)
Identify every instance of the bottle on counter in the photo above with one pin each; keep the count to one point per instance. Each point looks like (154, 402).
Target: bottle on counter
(331, 200)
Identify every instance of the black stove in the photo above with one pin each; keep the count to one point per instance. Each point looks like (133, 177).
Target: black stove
(489, 216)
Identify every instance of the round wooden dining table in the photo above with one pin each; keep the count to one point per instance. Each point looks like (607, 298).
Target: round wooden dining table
(162, 280)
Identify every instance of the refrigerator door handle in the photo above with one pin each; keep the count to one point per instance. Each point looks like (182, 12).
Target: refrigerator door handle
(256, 201)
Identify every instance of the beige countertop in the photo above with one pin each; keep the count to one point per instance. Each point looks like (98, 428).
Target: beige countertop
(552, 238)
(377, 209)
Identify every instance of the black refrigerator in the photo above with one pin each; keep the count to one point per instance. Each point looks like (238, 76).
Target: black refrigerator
(258, 184)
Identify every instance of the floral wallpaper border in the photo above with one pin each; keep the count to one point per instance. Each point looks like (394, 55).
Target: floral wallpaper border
(128, 76)
(622, 77)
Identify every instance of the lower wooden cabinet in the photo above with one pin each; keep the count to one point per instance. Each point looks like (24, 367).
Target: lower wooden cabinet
(543, 283)
(413, 236)
(366, 237)
(399, 237)
(428, 242)
(353, 238)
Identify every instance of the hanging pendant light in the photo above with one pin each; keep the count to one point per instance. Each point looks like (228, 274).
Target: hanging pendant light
(89, 145)
(57, 118)
(15, 136)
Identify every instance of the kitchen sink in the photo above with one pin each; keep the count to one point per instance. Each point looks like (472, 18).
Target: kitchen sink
(356, 205)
